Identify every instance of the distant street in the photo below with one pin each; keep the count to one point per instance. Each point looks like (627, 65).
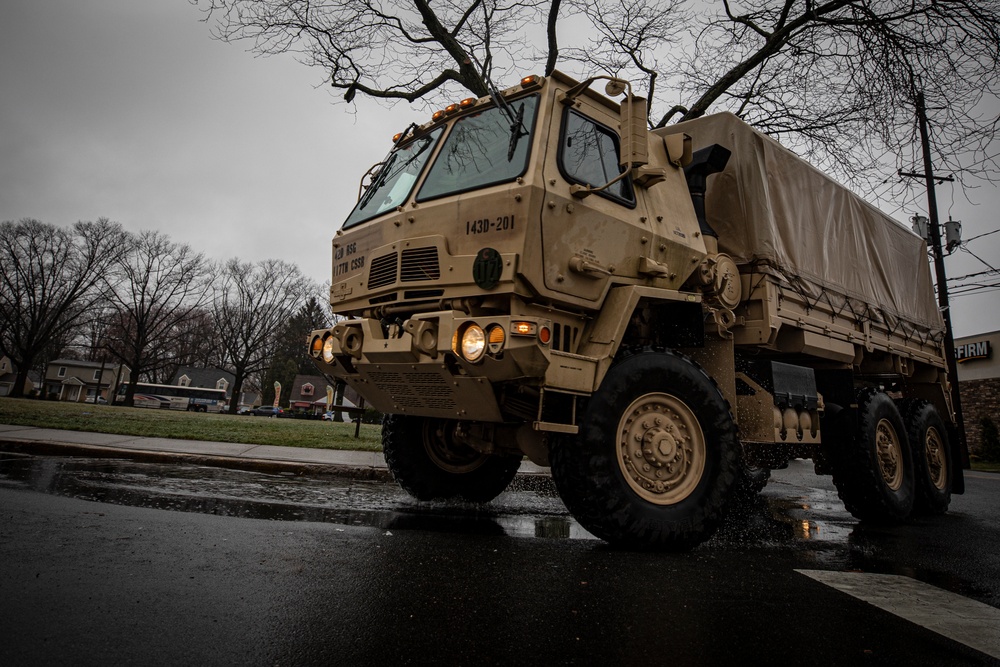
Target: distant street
(109, 561)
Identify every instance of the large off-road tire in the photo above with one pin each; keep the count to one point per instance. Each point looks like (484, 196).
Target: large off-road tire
(931, 456)
(873, 471)
(656, 458)
(428, 464)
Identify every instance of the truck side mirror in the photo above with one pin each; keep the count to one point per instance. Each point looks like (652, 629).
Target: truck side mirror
(634, 151)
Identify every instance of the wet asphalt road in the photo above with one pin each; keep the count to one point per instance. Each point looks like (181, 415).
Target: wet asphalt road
(120, 562)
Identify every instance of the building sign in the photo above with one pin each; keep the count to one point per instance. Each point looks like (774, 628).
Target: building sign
(973, 351)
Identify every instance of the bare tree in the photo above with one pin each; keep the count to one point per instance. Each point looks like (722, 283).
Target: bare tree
(406, 50)
(836, 78)
(252, 304)
(195, 344)
(50, 279)
(158, 286)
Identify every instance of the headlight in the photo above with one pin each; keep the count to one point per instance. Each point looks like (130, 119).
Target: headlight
(473, 343)
(328, 349)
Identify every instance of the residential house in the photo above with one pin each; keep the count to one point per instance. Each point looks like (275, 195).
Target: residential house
(309, 392)
(208, 378)
(8, 376)
(83, 381)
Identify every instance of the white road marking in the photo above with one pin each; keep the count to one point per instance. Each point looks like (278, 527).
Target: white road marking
(966, 621)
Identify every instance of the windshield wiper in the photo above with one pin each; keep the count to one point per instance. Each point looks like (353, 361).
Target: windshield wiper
(378, 182)
(517, 129)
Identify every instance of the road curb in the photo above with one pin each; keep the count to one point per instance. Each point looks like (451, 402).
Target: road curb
(52, 448)
(252, 464)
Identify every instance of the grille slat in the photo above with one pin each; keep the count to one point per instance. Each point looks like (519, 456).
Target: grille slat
(420, 264)
(383, 271)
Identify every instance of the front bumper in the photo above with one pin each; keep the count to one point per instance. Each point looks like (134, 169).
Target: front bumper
(414, 368)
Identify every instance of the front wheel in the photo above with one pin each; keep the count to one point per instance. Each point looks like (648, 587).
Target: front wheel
(428, 463)
(656, 458)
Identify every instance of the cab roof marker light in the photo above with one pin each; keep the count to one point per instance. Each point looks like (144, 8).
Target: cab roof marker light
(451, 108)
(437, 115)
(468, 102)
(530, 80)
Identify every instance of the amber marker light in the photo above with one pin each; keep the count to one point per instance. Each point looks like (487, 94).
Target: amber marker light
(451, 108)
(395, 137)
(317, 346)
(519, 328)
(438, 115)
(544, 335)
(467, 102)
(529, 81)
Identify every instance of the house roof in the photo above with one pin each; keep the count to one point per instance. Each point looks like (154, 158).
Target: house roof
(79, 363)
(318, 382)
(203, 377)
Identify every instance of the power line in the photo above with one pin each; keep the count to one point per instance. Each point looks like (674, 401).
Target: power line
(995, 231)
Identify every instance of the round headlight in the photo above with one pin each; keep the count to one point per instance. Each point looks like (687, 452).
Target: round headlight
(328, 350)
(473, 343)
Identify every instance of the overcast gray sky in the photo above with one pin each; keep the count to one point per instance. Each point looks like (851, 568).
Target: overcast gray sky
(127, 109)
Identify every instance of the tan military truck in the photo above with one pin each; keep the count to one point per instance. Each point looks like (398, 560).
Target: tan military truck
(660, 316)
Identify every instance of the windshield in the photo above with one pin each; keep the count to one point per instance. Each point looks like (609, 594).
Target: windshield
(392, 184)
(482, 149)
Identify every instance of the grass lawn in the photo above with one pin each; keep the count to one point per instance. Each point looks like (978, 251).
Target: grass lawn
(188, 425)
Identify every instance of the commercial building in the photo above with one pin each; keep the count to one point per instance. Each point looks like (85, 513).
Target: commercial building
(979, 383)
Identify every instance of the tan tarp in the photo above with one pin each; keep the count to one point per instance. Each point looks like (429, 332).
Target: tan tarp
(776, 212)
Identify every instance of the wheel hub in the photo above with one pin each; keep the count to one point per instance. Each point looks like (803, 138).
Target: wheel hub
(937, 466)
(445, 452)
(889, 454)
(661, 448)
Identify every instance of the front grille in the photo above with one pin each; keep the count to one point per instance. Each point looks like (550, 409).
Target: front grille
(564, 337)
(420, 264)
(383, 271)
(415, 390)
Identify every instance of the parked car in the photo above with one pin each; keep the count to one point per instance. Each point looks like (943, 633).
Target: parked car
(267, 411)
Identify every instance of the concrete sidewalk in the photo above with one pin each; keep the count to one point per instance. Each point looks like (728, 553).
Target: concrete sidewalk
(35, 440)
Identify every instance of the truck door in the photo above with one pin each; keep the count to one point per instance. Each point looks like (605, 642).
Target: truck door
(587, 241)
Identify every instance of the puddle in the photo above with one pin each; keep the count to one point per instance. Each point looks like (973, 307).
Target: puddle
(284, 497)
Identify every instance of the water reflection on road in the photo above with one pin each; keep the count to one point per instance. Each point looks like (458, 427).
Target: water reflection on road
(784, 514)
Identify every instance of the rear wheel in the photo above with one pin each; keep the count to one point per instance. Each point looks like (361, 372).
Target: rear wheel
(931, 456)
(428, 463)
(656, 457)
(873, 471)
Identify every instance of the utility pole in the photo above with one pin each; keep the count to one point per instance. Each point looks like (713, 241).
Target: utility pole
(939, 272)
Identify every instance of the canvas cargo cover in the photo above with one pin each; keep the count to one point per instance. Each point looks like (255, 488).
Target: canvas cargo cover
(777, 213)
